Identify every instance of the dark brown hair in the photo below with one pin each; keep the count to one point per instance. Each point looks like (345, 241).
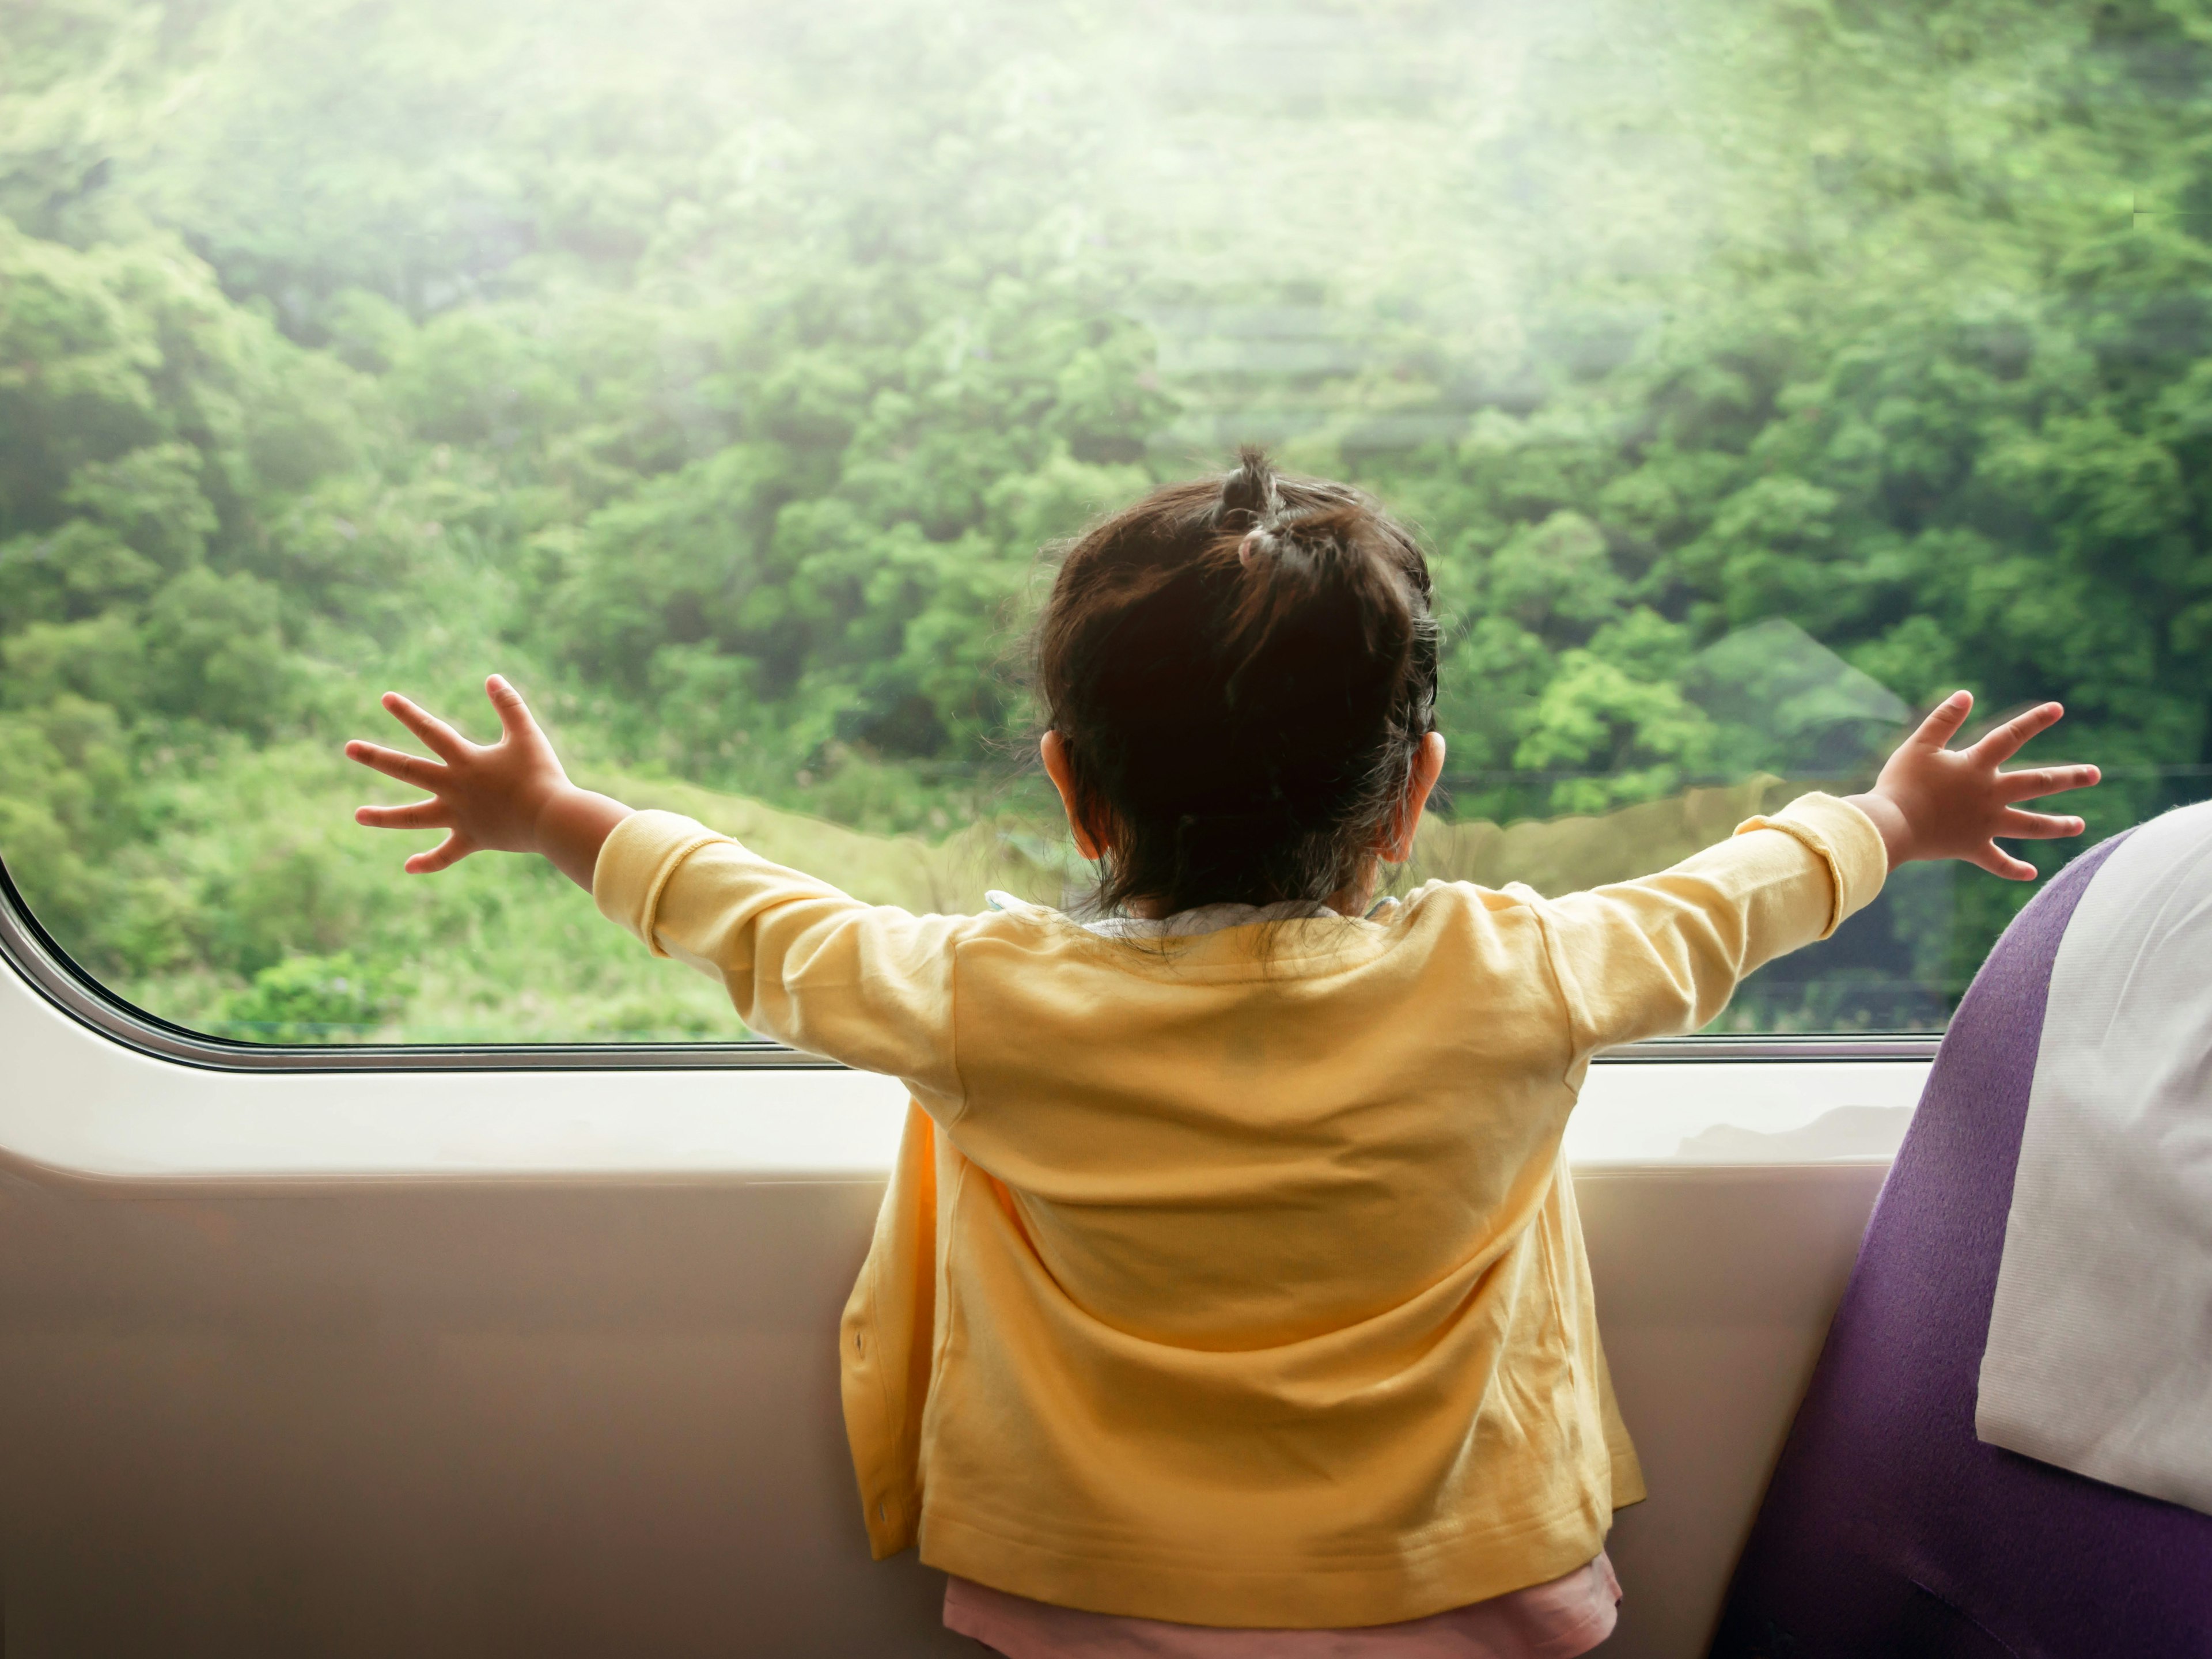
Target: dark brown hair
(1242, 670)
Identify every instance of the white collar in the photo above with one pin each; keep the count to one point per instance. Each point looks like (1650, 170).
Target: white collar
(1190, 924)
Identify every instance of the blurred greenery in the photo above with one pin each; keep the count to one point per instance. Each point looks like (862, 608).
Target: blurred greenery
(314, 1000)
(1756, 370)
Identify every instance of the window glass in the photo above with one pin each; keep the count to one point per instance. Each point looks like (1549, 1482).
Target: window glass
(1755, 371)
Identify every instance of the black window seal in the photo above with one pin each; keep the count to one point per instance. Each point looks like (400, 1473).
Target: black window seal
(55, 975)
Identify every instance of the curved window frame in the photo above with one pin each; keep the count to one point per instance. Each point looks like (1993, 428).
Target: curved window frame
(58, 977)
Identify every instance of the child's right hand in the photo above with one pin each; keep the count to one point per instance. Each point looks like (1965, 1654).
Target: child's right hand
(1931, 802)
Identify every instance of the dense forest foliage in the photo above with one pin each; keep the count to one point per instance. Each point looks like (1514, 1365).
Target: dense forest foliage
(1756, 370)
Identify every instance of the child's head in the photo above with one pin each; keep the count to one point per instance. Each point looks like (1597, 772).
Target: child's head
(1239, 674)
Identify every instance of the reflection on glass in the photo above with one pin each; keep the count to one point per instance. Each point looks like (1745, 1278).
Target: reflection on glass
(1756, 373)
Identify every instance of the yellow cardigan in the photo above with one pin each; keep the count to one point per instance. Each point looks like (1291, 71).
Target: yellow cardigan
(1237, 1280)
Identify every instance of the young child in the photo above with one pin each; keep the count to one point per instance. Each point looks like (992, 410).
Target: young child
(1229, 1296)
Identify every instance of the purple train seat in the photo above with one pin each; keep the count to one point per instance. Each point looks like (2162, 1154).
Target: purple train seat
(1888, 1529)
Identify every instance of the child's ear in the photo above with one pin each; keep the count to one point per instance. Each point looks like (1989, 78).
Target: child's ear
(1053, 751)
(1421, 777)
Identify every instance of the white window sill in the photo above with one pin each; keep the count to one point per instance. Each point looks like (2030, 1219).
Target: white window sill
(78, 1102)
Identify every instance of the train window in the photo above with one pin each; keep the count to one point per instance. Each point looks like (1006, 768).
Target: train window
(1756, 372)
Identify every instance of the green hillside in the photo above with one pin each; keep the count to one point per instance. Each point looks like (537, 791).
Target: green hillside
(1755, 370)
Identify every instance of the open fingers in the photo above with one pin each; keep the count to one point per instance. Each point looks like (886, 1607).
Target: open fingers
(420, 815)
(1944, 721)
(1992, 858)
(515, 716)
(440, 739)
(2046, 780)
(396, 763)
(2004, 743)
(2017, 825)
(450, 851)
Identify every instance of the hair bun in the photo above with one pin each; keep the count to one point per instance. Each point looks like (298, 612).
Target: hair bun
(1248, 495)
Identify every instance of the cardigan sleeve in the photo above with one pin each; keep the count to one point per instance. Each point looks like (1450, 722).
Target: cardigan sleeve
(1661, 956)
(804, 963)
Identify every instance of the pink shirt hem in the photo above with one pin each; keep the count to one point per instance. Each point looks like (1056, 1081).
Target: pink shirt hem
(1568, 1616)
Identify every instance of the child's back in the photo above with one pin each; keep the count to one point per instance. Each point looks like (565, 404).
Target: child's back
(1262, 1297)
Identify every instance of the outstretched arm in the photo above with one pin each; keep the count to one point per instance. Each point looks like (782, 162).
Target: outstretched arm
(1663, 955)
(802, 961)
(507, 796)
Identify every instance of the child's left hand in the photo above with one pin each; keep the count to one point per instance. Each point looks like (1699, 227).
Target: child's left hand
(510, 797)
